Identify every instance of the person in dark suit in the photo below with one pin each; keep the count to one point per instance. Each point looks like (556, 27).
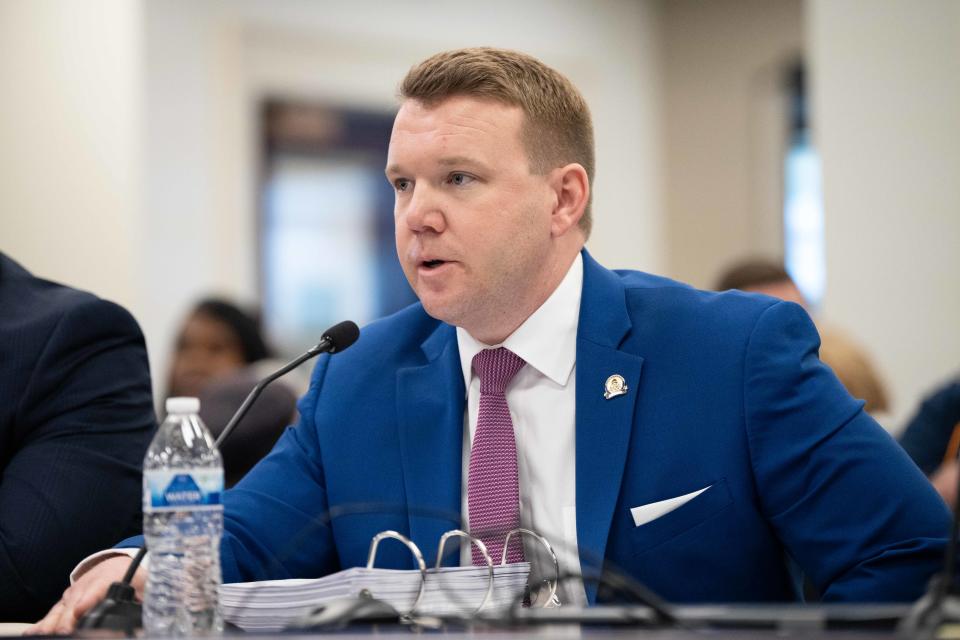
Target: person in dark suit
(932, 438)
(692, 439)
(76, 417)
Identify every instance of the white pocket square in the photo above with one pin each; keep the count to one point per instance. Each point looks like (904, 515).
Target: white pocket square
(649, 512)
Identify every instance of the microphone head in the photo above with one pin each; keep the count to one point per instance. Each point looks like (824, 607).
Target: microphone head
(341, 335)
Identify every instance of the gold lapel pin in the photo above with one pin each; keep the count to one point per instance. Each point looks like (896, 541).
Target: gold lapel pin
(614, 386)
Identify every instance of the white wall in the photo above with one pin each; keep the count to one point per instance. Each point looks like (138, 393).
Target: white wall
(725, 120)
(886, 89)
(70, 118)
(183, 243)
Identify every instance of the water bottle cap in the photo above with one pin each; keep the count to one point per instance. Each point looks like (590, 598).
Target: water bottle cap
(183, 405)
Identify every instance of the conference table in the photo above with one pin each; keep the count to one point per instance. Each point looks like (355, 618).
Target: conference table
(721, 622)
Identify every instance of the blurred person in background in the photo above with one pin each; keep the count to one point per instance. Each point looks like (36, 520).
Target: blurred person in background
(219, 357)
(216, 339)
(758, 275)
(932, 438)
(76, 416)
(848, 360)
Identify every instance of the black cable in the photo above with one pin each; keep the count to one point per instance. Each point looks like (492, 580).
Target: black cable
(134, 564)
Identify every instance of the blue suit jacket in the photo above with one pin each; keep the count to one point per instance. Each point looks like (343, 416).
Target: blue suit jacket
(76, 416)
(725, 391)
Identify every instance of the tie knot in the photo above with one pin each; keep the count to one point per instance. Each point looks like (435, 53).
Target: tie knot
(496, 368)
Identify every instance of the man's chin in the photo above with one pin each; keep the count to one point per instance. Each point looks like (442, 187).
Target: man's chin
(442, 310)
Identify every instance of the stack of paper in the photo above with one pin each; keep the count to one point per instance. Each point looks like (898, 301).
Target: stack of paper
(272, 605)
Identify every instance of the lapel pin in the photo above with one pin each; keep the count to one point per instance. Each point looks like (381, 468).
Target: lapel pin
(614, 386)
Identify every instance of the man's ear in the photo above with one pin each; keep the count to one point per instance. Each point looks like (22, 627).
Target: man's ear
(571, 187)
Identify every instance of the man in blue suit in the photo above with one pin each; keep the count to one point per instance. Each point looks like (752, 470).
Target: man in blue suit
(76, 417)
(691, 439)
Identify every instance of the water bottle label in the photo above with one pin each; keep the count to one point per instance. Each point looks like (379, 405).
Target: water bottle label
(182, 489)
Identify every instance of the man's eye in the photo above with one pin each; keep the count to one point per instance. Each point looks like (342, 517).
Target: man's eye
(460, 179)
(401, 185)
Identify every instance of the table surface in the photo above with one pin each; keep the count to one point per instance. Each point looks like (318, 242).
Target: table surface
(850, 622)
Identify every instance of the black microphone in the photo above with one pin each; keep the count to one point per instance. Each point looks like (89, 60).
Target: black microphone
(118, 610)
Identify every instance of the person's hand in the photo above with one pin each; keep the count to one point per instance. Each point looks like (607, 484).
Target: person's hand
(944, 481)
(84, 594)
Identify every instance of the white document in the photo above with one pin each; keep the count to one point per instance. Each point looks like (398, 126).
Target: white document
(650, 512)
(274, 604)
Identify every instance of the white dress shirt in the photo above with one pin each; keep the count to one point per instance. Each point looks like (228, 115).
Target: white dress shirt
(542, 401)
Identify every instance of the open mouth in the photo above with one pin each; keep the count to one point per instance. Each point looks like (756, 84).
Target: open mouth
(432, 264)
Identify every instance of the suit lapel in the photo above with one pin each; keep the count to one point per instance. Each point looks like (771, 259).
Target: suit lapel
(603, 426)
(430, 405)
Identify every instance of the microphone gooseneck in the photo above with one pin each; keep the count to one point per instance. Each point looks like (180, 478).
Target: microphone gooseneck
(334, 340)
(119, 611)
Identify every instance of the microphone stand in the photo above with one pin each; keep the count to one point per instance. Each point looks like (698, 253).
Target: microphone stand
(119, 610)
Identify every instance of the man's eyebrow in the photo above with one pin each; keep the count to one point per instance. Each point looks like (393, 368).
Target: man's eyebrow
(447, 161)
(455, 160)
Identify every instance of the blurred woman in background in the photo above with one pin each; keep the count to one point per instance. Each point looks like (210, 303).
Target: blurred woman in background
(216, 339)
(220, 355)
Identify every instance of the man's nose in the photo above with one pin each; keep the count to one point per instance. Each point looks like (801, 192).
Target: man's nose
(424, 211)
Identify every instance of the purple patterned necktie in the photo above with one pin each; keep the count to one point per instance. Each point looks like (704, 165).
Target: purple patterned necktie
(493, 490)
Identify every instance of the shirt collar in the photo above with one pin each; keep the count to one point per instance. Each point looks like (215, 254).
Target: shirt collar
(547, 340)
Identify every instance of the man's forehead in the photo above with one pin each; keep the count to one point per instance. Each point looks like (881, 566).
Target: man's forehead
(461, 125)
(456, 110)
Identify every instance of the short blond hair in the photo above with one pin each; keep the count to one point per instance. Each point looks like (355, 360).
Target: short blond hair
(557, 128)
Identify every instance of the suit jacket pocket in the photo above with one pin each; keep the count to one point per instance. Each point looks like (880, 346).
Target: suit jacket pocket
(670, 525)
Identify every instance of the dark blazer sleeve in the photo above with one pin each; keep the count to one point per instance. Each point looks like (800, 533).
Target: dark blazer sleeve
(81, 427)
(850, 506)
(928, 433)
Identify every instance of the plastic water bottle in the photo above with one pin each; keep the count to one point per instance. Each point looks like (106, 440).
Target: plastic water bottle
(182, 524)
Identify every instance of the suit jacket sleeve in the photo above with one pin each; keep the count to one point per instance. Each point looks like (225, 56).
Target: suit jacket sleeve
(276, 523)
(849, 505)
(82, 425)
(928, 433)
